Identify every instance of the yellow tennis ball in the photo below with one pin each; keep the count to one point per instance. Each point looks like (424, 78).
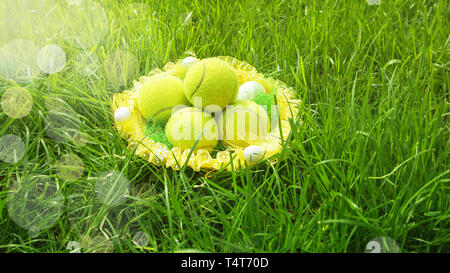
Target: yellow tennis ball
(190, 124)
(212, 80)
(159, 95)
(244, 123)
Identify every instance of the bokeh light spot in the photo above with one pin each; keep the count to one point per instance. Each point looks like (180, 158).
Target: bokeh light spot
(85, 23)
(51, 59)
(61, 123)
(97, 244)
(35, 203)
(140, 239)
(12, 148)
(86, 63)
(17, 61)
(112, 188)
(80, 139)
(70, 167)
(17, 102)
(121, 67)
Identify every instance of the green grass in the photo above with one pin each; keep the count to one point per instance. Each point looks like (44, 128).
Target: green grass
(371, 157)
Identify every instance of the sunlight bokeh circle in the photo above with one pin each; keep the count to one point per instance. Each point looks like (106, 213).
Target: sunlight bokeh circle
(138, 9)
(61, 122)
(85, 23)
(12, 148)
(17, 102)
(54, 103)
(86, 63)
(121, 67)
(185, 18)
(140, 239)
(112, 188)
(37, 21)
(69, 167)
(51, 59)
(373, 2)
(97, 244)
(18, 61)
(35, 203)
(82, 23)
(80, 139)
(76, 205)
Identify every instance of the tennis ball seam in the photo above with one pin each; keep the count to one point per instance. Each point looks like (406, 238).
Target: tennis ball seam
(161, 111)
(235, 89)
(200, 83)
(185, 110)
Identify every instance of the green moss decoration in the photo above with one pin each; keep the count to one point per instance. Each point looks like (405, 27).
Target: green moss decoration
(155, 130)
(266, 101)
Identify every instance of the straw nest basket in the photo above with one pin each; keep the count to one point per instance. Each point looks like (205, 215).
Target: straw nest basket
(133, 128)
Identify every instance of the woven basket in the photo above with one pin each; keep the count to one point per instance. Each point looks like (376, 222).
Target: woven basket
(133, 128)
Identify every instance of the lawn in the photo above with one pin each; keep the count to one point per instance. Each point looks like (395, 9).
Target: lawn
(370, 158)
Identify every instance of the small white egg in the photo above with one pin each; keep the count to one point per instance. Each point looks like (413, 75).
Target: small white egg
(122, 114)
(249, 90)
(188, 62)
(253, 153)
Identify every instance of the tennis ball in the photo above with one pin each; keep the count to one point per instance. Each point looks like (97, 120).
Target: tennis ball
(213, 80)
(159, 95)
(244, 123)
(190, 124)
